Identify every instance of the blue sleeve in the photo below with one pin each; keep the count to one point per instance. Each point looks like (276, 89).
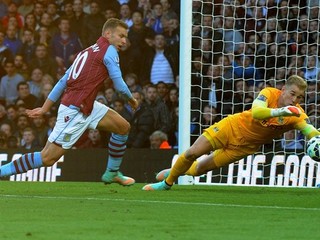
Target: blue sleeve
(111, 61)
(59, 88)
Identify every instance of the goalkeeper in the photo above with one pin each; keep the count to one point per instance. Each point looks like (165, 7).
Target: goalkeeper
(273, 112)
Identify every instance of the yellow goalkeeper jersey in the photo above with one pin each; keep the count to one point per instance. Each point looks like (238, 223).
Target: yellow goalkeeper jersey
(263, 131)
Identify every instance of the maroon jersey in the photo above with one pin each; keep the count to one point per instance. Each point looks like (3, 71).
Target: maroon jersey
(86, 77)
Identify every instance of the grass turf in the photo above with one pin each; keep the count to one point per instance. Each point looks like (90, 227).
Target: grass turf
(77, 210)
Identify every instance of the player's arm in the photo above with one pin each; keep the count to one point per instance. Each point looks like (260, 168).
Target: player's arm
(261, 111)
(111, 61)
(306, 128)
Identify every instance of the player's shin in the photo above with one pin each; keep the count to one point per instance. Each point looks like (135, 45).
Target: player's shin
(192, 171)
(117, 147)
(179, 168)
(23, 164)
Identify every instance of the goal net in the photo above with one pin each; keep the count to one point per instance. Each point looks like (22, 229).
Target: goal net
(238, 48)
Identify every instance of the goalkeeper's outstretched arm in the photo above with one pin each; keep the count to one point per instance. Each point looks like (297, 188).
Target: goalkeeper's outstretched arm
(261, 111)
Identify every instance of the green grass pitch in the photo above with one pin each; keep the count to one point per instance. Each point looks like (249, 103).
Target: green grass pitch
(77, 210)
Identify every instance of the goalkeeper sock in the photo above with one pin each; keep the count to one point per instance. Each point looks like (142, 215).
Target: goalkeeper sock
(192, 171)
(23, 164)
(179, 168)
(117, 147)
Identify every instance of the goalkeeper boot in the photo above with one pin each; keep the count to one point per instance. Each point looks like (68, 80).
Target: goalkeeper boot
(162, 175)
(160, 186)
(117, 177)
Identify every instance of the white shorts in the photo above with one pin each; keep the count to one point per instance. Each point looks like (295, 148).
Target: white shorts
(71, 124)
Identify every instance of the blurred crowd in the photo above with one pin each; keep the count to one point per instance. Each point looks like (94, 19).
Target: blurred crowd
(238, 48)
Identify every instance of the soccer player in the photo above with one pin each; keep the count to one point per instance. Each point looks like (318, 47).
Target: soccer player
(79, 111)
(273, 112)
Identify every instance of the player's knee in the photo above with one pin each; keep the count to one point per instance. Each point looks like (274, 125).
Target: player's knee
(125, 129)
(190, 155)
(48, 159)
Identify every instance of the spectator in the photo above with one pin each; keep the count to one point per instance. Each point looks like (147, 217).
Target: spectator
(29, 140)
(9, 82)
(44, 36)
(26, 7)
(137, 34)
(131, 80)
(51, 119)
(39, 9)
(110, 95)
(6, 128)
(31, 22)
(118, 106)
(67, 9)
(243, 68)
(12, 115)
(47, 21)
(28, 47)
(3, 141)
(24, 96)
(21, 66)
(160, 63)
(159, 108)
(142, 124)
(159, 140)
(11, 40)
(163, 92)
(231, 36)
(52, 10)
(291, 141)
(44, 61)
(5, 54)
(35, 82)
(110, 13)
(12, 142)
(78, 20)
(12, 12)
(154, 19)
(125, 14)
(171, 29)
(22, 123)
(166, 7)
(3, 115)
(311, 68)
(93, 140)
(65, 45)
(40, 128)
(92, 24)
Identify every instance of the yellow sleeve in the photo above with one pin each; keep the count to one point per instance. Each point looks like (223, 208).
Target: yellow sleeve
(307, 129)
(260, 110)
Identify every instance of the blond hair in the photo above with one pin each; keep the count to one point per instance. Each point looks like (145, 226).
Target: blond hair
(113, 23)
(298, 81)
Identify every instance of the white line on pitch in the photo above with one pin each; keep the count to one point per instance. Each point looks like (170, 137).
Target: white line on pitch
(163, 202)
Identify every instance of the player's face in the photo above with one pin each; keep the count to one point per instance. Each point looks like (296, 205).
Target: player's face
(291, 95)
(117, 37)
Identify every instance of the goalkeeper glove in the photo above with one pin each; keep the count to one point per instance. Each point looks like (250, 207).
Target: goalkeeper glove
(286, 111)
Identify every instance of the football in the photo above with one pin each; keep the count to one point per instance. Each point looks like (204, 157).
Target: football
(313, 148)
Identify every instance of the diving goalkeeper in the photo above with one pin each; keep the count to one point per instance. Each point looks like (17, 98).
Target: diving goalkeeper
(273, 113)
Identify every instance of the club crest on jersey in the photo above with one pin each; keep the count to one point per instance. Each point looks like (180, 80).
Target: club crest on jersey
(66, 118)
(215, 129)
(262, 98)
(67, 137)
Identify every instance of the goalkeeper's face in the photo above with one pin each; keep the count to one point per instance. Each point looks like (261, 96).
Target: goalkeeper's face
(291, 95)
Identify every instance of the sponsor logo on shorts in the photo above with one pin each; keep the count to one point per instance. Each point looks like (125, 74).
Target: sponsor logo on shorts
(66, 118)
